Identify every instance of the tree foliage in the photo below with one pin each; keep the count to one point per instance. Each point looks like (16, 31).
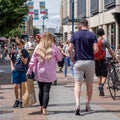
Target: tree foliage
(36, 31)
(15, 32)
(12, 13)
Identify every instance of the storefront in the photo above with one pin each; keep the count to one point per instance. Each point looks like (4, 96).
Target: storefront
(111, 34)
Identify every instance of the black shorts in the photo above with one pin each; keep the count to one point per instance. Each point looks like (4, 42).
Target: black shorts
(61, 63)
(101, 68)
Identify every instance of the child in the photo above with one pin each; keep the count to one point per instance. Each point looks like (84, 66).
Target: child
(19, 61)
(43, 60)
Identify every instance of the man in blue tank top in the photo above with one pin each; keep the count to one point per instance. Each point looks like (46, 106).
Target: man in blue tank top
(85, 44)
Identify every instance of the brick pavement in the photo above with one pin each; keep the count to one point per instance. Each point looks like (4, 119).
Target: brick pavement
(61, 105)
(7, 99)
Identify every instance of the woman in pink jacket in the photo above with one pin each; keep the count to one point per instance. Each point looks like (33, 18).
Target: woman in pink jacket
(43, 64)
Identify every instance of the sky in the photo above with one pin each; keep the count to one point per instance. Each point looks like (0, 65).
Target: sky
(53, 7)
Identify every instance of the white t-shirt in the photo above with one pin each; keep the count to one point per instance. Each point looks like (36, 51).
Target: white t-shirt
(66, 50)
(108, 54)
(30, 45)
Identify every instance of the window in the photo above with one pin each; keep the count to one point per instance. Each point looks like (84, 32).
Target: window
(71, 9)
(81, 8)
(94, 6)
(109, 3)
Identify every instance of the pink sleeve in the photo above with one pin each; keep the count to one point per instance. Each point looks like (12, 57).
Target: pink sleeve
(32, 63)
(58, 54)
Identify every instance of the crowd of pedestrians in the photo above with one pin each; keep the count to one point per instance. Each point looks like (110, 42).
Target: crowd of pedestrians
(3, 52)
(36, 58)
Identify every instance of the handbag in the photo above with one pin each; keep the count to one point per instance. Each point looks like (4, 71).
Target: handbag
(28, 93)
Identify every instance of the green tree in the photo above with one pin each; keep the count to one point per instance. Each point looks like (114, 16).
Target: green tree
(36, 31)
(12, 13)
(15, 32)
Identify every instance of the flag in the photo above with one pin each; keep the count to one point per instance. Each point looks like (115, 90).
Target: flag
(46, 13)
(36, 17)
(42, 7)
(31, 8)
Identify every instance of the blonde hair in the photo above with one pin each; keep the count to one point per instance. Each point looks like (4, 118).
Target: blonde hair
(44, 48)
(20, 41)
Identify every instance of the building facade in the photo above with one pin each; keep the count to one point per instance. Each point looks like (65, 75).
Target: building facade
(29, 26)
(66, 18)
(100, 14)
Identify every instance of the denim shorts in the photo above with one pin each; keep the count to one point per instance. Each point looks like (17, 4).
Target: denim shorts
(84, 68)
(18, 77)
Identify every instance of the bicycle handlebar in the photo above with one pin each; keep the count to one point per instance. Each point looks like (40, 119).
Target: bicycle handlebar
(112, 62)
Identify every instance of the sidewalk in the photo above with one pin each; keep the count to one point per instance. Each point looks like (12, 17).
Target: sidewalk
(62, 104)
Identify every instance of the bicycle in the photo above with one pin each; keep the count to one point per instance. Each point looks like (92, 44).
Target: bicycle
(113, 78)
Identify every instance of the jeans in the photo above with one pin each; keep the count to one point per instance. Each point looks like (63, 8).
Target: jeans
(44, 89)
(68, 62)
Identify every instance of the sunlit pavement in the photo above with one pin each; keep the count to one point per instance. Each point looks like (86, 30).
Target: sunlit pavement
(62, 103)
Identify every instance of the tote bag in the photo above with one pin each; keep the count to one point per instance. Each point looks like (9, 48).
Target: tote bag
(28, 93)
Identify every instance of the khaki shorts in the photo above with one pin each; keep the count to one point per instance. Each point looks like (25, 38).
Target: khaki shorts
(84, 68)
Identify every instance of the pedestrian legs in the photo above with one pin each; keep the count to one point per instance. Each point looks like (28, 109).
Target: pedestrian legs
(66, 66)
(71, 69)
(77, 92)
(44, 89)
(89, 85)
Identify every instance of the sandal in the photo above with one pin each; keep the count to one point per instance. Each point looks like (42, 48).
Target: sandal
(88, 108)
(77, 111)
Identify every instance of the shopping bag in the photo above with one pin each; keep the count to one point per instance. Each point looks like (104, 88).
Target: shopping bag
(28, 93)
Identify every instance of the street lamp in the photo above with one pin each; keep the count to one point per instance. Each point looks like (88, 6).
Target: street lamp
(72, 16)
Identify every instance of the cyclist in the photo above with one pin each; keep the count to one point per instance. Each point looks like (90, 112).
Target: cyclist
(100, 63)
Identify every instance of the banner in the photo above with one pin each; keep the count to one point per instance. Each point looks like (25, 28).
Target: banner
(46, 13)
(42, 7)
(31, 8)
(36, 15)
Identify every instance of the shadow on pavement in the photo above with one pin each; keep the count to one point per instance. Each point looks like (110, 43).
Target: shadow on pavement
(1, 92)
(35, 113)
(6, 111)
(83, 112)
(7, 88)
(100, 111)
(35, 106)
(64, 104)
(1, 97)
(59, 112)
(107, 103)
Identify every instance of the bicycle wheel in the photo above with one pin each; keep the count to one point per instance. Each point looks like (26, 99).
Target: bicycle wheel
(111, 86)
